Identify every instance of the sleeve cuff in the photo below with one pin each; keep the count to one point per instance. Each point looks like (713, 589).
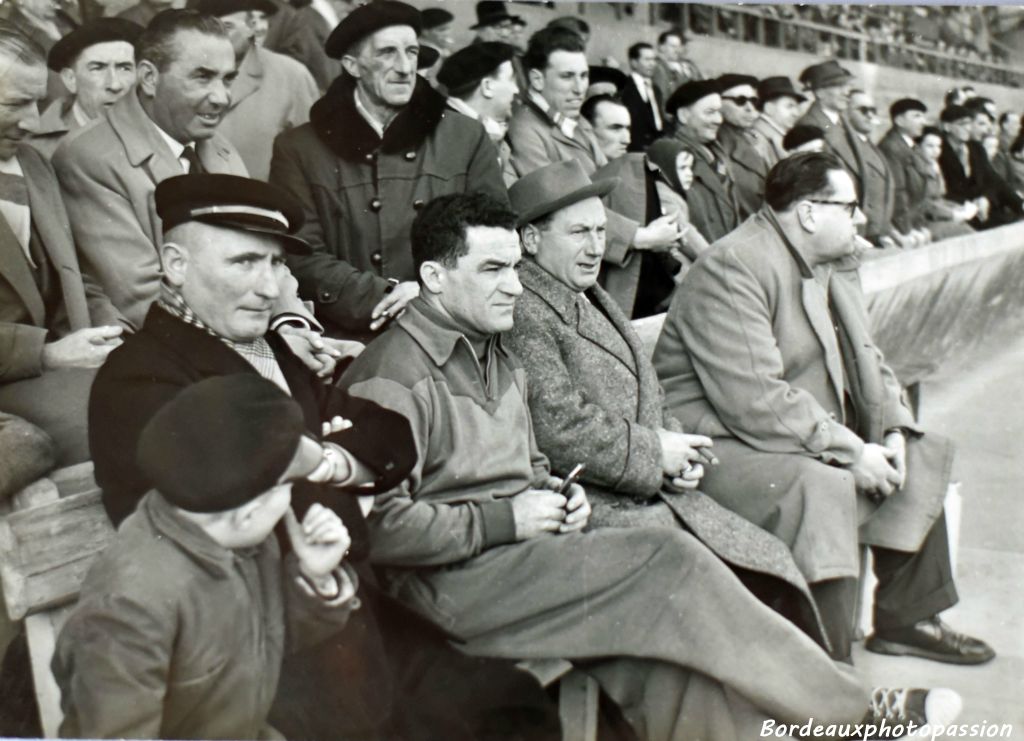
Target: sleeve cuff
(499, 523)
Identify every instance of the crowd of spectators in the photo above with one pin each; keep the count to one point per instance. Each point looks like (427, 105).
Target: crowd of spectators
(206, 212)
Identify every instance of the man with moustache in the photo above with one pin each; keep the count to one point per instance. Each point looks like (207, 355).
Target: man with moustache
(96, 63)
(780, 108)
(166, 127)
(746, 166)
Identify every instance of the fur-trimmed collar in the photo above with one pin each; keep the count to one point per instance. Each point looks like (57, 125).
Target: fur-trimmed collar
(340, 126)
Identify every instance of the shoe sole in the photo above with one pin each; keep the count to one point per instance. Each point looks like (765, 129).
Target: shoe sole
(880, 646)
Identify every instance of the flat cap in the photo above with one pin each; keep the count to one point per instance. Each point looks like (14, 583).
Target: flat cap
(690, 92)
(955, 112)
(434, 17)
(903, 105)
(367, 19)
(65, 52)
(232, 202)
(725, 82)
(601, 74)
(218, 8)
(221, 442)
(825, 74)
(771, 88)
(464, 69)
(800, 135)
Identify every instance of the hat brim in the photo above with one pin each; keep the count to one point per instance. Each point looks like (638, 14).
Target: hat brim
(292, 245)
(491, 20)
(599, 189)
(786, 94)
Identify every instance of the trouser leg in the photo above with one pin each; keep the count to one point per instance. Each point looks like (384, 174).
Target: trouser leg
(57, 402)
(836, 599)
(914, 586)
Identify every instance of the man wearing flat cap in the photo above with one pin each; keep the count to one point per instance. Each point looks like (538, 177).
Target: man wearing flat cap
(96, 63)
(697, 109)
(780, 108)
(746, 165)
(379, 144)
(271, 93)
(481, 83)
(184, 620)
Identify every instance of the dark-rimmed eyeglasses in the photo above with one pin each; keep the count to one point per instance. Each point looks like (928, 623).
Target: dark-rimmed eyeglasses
(742, 100)
(850, 206)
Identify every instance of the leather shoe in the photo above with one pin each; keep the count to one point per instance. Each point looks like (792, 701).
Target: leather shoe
(931, 639)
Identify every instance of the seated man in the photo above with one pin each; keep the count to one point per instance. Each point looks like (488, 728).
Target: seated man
(766, 350)
(56, 327)
(184, 619)
(480, 539)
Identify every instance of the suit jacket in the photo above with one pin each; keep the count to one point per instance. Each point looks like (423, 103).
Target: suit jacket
(298, 34)
(767, 139)
(536, 141)
(108, 174)
(837, 137)
(643, 128)
(746, 166)
(749, 352)
(909, 176)
(24, 328)
(667, 79)
(983, 181)
(877, 191)
(714, 209)
(272, 93)
(55, 123)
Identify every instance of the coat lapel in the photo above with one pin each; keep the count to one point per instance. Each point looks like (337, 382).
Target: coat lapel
(143, 143)
(15, 269)
(250, 77)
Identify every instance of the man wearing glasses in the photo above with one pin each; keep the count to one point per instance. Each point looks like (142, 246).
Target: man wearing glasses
(766, 350)
(748, 168)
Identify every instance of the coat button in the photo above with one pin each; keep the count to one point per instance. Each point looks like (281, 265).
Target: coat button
(376, 258)
(375, 205)
(371, 157)
(418, 204)
(410, 156)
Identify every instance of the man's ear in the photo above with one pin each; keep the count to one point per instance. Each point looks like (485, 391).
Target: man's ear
(351, 65)
(805, 216)
(147, 77)
(175, 260)
(432, 276)
(536, 78)
(530, 239)
(67, 76)
(487, 87)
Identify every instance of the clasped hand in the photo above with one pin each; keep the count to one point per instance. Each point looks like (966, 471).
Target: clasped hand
(541, 511)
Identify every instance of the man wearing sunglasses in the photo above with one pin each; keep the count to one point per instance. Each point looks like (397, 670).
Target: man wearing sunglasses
(740, 110)
(766, 349)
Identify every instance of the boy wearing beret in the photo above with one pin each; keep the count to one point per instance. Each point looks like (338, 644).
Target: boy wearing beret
(184, 619)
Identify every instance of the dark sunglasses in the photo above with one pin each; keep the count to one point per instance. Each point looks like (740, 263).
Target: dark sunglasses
(742, 100)
(850, 206)
(867, 110)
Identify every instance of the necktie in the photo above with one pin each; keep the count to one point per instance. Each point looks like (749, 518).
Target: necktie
(195, 167)
(13, 189)
(653, 103)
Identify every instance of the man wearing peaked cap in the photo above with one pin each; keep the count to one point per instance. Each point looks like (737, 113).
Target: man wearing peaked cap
(381, 143)
(271, 93)
(697, 109)
(780, 108)
(740, 106)
(96, 63)
(204, 604)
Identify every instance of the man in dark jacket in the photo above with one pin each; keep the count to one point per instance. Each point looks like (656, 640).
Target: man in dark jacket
(379, 145)
(643, 99)
(746, 165)
(908, 122)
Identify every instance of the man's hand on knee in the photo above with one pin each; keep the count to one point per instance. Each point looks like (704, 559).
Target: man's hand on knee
(874, 471)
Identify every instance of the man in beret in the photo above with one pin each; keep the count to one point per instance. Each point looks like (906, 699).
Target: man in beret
(481, 83)
(96, 63)
(643, 98)
(271, 93)
(185, 618)
(906, 164)
(746, 165)
(780, 108)
(56, 325)
(437, 34)
(696, 107)
(379, 145)
(804, 138)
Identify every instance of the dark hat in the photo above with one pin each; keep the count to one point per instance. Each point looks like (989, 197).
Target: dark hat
(428, 57)
(903, 105)
(771, 88)
(434, 17)
(554, 187)
(368, 18)
(467, 67)
(232, 202)
(734, 80)
(65, 51)
(954, 112)
(825, 74)
(800, 135)
(491, 12)
(221, 442)
(570, 23)
(609, 75)
(218, 8)
(690, 92)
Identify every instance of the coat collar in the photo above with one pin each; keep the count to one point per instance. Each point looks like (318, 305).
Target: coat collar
(338, 124)
(736, 144)
(436, 334)
(704, 165)
(582, 138)
(58, 118)
(250, 75)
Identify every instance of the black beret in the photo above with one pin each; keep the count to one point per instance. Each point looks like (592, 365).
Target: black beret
(610, 75)
(221, 442)
(368, 18)
(801, 134)
(218, 8)
(903, 105)
(733, 80)
(434, 17)
(954, 112)
(232, 202)
(467, 67)
(690, 92)
(65, 51)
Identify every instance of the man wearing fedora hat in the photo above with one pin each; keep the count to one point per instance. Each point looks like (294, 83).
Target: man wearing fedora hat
(96, 63)
(830, 84)
(271, 92)
(780, 108)
(493, 22)
(379, 144)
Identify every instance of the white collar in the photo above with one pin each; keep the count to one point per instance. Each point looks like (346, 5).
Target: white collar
(908, 140)
(176, 146)
(832, 116)
(367, 116)
(464, 108)
(641, 81)
(327, 12)
(11, 166)
(79, 115)
(566, 124)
